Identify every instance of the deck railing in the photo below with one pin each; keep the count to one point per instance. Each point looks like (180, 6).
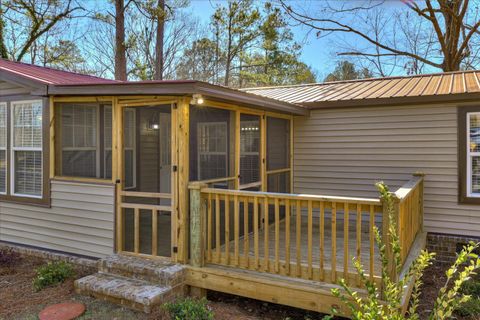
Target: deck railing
(302, 236)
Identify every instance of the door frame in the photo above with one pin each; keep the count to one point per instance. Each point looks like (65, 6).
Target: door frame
(118, 153)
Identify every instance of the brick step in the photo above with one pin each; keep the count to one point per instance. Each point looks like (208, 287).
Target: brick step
(133, 293)
(158, 271)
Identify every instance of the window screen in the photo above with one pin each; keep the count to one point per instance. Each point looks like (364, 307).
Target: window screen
(27, 148)
(212, 150)
(129, 129)
(249, 149)
(79, 140)
(278, 146)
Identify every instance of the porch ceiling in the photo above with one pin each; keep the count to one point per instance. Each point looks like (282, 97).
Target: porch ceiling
(180, 88)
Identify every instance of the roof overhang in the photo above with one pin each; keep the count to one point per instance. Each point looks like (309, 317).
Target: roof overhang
(443, 98)
(36, 87)
(179, 88)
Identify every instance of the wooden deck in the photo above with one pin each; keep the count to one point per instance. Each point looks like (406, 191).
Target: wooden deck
(364, 248)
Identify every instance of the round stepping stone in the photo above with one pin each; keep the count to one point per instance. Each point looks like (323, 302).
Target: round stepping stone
(62, 311)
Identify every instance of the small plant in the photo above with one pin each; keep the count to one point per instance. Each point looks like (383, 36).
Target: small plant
(386, 304)
(51, 274)
(189, 309)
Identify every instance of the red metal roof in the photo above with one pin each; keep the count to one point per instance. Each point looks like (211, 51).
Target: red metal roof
(47, 75)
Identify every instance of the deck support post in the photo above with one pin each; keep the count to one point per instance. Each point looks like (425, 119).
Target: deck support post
(197, 231)
(420, 197)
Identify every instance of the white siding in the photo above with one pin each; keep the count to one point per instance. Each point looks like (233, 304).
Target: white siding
(345, 151)
(80, 220)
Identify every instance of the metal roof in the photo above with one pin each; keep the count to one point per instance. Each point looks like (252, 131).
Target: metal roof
(447, 86)
(47, 75)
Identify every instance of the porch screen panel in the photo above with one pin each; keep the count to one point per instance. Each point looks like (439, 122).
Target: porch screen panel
(27, 148)
(211, 143)
(129, 127)
(278, 154)
(249, 149)
(79, 134)
(3, 147)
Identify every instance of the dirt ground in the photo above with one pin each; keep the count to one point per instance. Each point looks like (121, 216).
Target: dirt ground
(18, 300)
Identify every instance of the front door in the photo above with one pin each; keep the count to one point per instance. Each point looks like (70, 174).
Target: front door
(145, 199)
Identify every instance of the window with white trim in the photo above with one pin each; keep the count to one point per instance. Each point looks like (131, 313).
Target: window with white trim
(27, 148)
(473, 154)
(3, 148)
(212, 150)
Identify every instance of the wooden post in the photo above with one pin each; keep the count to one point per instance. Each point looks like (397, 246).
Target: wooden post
(183, 137)
(197, 232)
(420, 198)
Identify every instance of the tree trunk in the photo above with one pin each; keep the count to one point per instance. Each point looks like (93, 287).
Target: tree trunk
(3, 48)
(120, 54)
(160, 39)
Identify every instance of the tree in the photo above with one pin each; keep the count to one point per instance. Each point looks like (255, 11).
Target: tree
(346, 70)
(120, 48)
(240, 20)
(200, 61)
(451, 27)
(33, 19)
(3, 48)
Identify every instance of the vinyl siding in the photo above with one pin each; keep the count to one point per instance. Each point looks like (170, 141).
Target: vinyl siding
(345, 151)
(80, 220)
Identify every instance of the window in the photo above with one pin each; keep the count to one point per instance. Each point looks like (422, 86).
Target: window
(212, 150)
(3, 148)
(27, 148)
(473, 154)
(84, 140)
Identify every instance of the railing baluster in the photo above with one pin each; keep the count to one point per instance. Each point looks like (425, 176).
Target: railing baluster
(217, 227)
(287, 237)
(236, 223)
(227, 229)
(266, 229)
(154, 232)
(345, 240)
(298, 233)
(136, 239)
(277, 236)
(246, 234)
(334, 242)
(372, 241)
(359, 238)
(209, 227)
(310, 239)
(322, 241)
(255, 231)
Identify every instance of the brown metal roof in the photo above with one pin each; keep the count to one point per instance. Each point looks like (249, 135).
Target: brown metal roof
(429, 87)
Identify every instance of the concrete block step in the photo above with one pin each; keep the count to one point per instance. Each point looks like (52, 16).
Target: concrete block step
(132, 293)
(159, 271)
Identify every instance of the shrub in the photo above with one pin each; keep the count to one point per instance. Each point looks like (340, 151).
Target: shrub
(189, 309)
(371, 306)
(51, 274)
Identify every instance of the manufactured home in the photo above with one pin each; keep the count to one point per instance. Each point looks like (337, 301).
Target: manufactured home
(267, 193)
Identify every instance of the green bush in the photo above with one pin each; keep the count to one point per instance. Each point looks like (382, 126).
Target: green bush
(51, 274)
(189, 309)
(372, 307)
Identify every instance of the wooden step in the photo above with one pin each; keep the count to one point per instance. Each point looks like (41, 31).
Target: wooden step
(158, 271)
(133, 293)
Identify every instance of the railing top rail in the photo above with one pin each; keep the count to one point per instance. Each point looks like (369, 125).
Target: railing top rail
(405, 190)
(291, 196)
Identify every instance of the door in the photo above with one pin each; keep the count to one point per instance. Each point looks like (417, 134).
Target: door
(145, 199)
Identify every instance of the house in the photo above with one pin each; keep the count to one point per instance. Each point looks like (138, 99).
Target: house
(266, 193)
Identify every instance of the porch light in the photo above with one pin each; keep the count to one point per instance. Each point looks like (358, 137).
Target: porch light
(197, 99)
